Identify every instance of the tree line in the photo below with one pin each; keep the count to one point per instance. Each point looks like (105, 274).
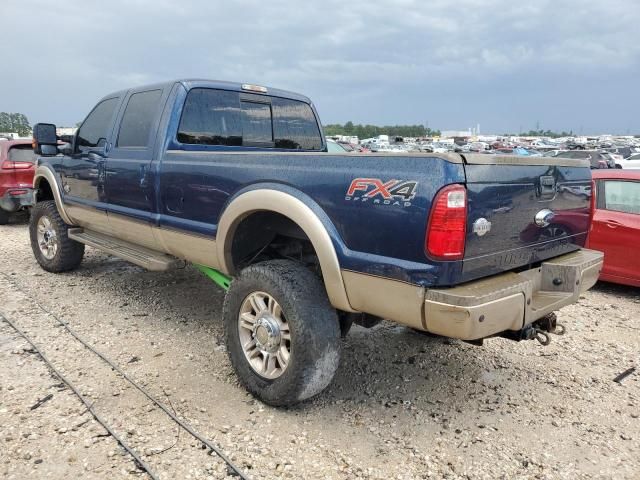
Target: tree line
(541, 133)
(15, 123)
(368, 131)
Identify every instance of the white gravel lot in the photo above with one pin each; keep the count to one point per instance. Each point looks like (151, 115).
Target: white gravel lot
(402, 406)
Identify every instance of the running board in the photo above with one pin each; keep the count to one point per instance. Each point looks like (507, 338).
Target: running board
(141, 256)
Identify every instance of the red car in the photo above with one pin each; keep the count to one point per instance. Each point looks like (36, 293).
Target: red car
(615, 226)
(17, 166)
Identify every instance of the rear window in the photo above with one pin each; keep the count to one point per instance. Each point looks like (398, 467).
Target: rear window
(256, 123)
(295, 125)
(138, 117)
(218, 117)
(22, 153)
(211, 117)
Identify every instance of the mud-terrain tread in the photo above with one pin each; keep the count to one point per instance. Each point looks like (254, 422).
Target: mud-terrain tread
(315, 331)
(4, 217)
(69, 253)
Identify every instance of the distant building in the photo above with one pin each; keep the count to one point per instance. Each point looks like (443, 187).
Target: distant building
(9, 135)
(456, 134)
(66, 130)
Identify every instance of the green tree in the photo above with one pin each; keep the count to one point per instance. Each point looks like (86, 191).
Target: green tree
(15, 122)
(368, 131)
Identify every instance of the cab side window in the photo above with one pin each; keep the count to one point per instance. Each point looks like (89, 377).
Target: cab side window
(95, 129)
(138, 117)
(622, 196)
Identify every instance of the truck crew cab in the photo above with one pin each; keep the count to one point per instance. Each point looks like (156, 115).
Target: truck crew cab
(236, 179)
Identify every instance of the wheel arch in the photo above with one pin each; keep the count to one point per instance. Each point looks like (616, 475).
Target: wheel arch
(301, 210)
(44, 180)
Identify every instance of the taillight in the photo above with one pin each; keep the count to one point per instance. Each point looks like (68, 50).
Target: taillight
(9, 165)
(446, 232)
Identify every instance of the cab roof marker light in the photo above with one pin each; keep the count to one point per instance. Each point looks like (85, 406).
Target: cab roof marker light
(254, 88)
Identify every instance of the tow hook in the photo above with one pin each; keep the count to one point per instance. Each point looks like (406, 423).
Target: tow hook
(538, 330)
(546, 325)
(543, 337)
(549, 323)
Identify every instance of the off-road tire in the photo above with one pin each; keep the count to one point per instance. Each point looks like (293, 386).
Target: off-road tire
(4, 217)
(69, 253)
(313, 325)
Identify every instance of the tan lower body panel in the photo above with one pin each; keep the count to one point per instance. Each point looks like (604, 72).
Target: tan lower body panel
(134, 231)
(89, 218)
(385, 298)
(193, 248)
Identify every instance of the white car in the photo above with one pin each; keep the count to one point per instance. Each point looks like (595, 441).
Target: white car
(631, 162)
(440, 147)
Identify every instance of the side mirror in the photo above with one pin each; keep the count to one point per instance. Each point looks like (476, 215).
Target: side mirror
(45, 140)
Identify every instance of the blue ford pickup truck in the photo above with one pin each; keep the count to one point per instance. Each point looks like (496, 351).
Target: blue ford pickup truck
(236, 179)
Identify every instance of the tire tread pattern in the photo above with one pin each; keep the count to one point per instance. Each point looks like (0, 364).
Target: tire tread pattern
(69, 253)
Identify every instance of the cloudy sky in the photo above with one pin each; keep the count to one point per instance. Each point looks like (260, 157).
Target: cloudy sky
(562, 64)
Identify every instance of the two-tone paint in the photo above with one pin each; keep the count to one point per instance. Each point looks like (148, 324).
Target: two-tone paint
(183, 200)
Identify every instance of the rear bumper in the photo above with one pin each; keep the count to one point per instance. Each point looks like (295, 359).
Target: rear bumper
(510, 301)
(13, 203)
(482, 308)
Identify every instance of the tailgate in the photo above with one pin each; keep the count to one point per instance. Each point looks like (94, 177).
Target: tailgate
(511, 193)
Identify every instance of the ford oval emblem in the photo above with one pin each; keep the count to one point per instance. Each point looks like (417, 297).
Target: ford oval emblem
(481, 226)
(544, 217)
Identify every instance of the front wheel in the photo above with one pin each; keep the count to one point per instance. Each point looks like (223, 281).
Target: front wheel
(53, 249)
(282, 334)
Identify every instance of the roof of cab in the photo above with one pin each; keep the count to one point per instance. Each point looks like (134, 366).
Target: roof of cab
(190, 83)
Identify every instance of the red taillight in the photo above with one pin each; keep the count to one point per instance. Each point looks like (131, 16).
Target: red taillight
(9, 165)
(447, 227)
(15, 193)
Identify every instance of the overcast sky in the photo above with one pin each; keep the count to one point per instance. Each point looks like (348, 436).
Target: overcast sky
(563, 64)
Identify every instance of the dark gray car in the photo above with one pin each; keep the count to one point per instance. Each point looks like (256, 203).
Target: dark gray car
(597, 158)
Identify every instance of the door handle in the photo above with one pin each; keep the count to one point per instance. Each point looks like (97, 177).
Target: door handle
(143, 177)
(612, 224)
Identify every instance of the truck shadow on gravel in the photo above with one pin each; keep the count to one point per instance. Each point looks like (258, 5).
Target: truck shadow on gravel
(17, 221)
(394, 366)
(618, 290)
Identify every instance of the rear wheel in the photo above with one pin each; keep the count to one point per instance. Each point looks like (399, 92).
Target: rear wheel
(53, 249)
(282, 334)
(4, 217)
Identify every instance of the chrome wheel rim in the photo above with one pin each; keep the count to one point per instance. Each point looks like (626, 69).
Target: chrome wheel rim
(47, 238)
(264, 335)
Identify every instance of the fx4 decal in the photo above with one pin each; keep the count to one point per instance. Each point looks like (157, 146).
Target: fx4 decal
(392, 192)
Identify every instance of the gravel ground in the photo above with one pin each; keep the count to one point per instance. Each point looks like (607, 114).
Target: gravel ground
(402, 405)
